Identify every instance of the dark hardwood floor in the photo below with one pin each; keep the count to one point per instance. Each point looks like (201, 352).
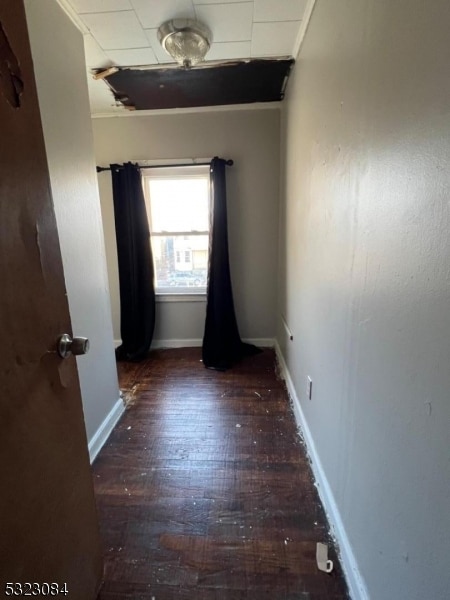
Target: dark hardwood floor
(204, 490)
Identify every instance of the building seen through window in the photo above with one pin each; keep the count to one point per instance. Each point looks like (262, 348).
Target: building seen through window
(177, 200)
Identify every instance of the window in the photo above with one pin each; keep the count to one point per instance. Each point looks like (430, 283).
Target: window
(177, 200)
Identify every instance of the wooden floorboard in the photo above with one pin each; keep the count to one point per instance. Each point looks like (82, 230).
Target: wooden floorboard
(204, 490)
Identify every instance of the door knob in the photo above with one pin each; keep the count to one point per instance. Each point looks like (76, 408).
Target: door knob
(76, 346)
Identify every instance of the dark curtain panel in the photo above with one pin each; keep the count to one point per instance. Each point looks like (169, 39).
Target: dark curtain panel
(137, 292)
(222, 345)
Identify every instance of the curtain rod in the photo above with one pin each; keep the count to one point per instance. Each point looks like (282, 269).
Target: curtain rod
(229, 163)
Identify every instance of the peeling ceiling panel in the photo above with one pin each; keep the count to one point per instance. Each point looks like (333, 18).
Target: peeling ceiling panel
(232, 83)
(123, 33)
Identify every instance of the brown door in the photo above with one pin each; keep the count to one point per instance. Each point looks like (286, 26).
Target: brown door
(48, 523)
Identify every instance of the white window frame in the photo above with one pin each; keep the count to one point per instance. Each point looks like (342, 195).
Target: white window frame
(178, 293)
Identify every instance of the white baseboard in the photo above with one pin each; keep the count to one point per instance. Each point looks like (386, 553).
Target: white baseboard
(355, 582)
(103, 432)
(260, 342)
(186, 343)
(195, 343)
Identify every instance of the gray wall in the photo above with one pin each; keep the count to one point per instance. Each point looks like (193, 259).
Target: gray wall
(62, 89)
(365, 278)
(251, 139)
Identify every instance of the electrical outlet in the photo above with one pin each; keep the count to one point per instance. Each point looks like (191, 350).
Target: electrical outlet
(309, 387)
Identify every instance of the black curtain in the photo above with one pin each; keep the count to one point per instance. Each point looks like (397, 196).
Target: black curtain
(136, 276)
(222, 345)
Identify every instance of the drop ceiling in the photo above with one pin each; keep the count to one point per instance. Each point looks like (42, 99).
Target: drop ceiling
(123, 33)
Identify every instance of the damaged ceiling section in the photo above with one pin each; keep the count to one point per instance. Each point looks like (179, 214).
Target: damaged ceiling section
(225, 83)
(144, 55)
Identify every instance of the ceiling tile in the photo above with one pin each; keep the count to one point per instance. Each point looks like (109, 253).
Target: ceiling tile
(279, 10)
(133, 56)
(229, 50)
(95, 6)
(152, 13)
(161, 55)
(274, 39)
(228, 22)
(116, 30)
(95, 57)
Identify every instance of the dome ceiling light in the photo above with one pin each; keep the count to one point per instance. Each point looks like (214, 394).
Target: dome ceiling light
(186, 40)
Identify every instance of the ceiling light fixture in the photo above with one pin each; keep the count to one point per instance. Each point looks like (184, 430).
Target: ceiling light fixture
(186, 40)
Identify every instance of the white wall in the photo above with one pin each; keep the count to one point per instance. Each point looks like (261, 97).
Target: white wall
(365, 278)
(58, 55)
(251, 139)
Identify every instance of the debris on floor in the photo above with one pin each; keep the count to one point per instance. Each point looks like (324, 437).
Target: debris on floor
(323, 563)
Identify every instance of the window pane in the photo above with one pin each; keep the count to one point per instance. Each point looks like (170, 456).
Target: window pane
(180, 262)
(179, 204)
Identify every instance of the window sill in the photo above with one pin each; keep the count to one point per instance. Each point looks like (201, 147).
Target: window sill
(201, 297)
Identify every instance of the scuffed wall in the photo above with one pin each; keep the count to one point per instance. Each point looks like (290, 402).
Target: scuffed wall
(58, 56)
(365, 278)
